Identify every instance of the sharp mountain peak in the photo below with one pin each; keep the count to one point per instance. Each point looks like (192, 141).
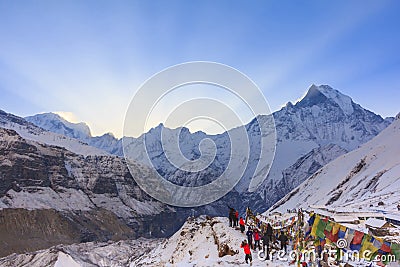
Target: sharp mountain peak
(318, 94)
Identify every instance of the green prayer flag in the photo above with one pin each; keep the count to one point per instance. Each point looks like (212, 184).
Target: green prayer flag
(395, 248)
(320, 229)
(329, 226)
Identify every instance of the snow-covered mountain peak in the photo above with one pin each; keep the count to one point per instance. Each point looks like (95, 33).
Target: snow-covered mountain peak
(31, 131)
(55, 123)
(313, 97)
(322, 93)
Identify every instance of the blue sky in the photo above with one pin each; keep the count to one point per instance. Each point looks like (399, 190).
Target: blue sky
(88, 57)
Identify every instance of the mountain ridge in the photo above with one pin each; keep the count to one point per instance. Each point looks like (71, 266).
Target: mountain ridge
(55, 123)
(323, 117)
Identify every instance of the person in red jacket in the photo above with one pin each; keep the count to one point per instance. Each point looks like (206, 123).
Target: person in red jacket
(247, 251)
(257, 238)
(242, 225)
(236, 218)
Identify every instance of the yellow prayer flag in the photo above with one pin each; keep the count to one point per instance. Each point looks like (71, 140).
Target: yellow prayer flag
(335, 228)
(314, 226)
(367, 248)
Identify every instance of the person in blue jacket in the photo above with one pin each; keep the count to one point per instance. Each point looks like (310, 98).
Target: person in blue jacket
(249, 234)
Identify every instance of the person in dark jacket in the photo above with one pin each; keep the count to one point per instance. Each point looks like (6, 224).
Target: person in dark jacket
(249, 234)
(269, 232)
(231, 216)
(248, 212)
(242, 224)
(283, 239)
(265, 242)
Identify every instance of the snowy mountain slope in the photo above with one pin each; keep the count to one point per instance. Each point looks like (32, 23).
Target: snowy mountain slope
(32, 132)
(306, 166)
(322, 117)
(357, 180)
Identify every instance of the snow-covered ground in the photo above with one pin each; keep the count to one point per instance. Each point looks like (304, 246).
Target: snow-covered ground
(199, 242)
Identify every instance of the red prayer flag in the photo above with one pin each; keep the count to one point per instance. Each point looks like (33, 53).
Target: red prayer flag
(385, 247)
(358, 237)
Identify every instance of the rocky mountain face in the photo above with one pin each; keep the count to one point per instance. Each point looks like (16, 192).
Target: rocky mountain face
(320, 127)
(53, 196)
(24, 230)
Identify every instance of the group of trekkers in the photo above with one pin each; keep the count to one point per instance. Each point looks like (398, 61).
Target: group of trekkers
(256, 238)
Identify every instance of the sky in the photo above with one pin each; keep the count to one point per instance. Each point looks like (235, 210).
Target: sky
(86, 59)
